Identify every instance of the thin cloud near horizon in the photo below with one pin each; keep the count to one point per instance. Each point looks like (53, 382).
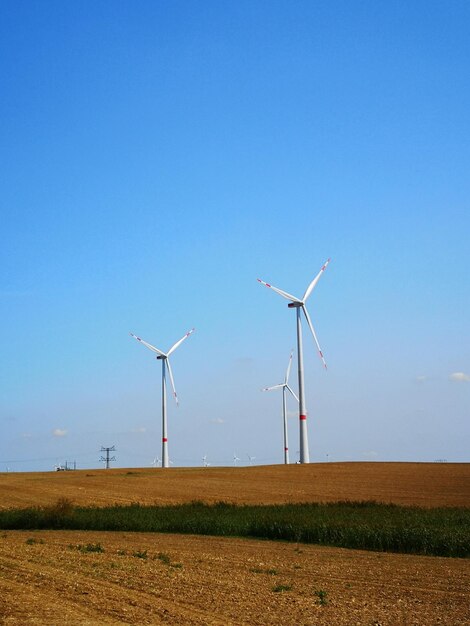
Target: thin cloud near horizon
(59, 432)
(460, 377)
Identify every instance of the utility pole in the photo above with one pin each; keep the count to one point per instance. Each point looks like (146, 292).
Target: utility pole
(108, 458)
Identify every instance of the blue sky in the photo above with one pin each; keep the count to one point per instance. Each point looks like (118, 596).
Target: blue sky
(158, 157)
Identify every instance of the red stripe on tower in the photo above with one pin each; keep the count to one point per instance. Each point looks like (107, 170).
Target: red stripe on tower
(303, 417)
(164, 439)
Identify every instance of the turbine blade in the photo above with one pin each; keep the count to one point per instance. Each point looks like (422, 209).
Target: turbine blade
(314, 281)
(287, 386)
(178, 343)
(273, 387)
(172, 382)
(309, 322)
(284, 294)
(149, 345)
(288, 368)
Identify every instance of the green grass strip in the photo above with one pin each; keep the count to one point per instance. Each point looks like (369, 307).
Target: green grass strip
(360, 525)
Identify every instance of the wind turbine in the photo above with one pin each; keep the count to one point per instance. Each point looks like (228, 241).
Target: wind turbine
(285, 387)
(204, 461)
(156, 462)
(299, 304)
(164, 358)
(251, 459)
(235, 458)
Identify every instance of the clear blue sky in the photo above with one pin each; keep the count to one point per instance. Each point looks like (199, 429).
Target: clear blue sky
(157, 157)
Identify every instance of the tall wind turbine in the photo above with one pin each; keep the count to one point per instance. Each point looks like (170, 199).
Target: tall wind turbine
(299, 304)
(164, 358)
(285, 387)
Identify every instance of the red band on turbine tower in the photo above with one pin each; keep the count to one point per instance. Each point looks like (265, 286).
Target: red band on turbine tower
(302, 417)
(164, 439)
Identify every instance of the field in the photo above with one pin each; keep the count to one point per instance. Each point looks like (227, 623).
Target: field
(88, 577)
(422, 484)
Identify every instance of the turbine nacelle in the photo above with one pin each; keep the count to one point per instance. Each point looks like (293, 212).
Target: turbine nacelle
(297, 303)
(164, 356)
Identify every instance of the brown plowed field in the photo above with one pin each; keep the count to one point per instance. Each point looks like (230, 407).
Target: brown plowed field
(220, 582)
(184, 580)
(423, 484)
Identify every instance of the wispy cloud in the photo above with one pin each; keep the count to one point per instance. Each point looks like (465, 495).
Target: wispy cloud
(139, 429)
(421, 379)
(371, 455)
(59, 432)
(217, 420)
(460, 377)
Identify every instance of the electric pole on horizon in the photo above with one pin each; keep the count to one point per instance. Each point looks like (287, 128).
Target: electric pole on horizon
(107, 459)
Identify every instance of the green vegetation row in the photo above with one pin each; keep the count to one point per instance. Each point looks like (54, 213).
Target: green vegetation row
(359, 525)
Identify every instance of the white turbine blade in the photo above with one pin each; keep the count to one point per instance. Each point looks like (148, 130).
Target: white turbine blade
(284, 294)
(314, 282)
(287, 387)
(309, 322)
(288, 368)
(178, 343)
(273, 387)
(172, 381)
(148, 345)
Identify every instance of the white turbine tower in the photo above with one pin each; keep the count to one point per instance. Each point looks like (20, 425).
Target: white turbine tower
(235, 458)
(299, 304)
(164, 358)
(285, 387)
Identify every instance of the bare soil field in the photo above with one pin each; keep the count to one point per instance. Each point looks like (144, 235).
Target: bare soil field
(58, 578)
(52, 578)
(422, 484)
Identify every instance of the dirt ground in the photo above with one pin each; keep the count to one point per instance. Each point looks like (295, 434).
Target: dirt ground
(186, 580)
(423, 484)
(51, 578)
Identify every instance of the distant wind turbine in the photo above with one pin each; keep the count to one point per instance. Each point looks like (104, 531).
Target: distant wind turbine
(164, 358)
(251, 459)
(235, 458)
(204, 461)
(299, 304)
(156, 462)
(285, 387)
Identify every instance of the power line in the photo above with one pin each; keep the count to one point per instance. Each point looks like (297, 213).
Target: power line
(108, 458)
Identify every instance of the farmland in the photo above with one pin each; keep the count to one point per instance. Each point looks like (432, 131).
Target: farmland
(89, 577)
(421, 484)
